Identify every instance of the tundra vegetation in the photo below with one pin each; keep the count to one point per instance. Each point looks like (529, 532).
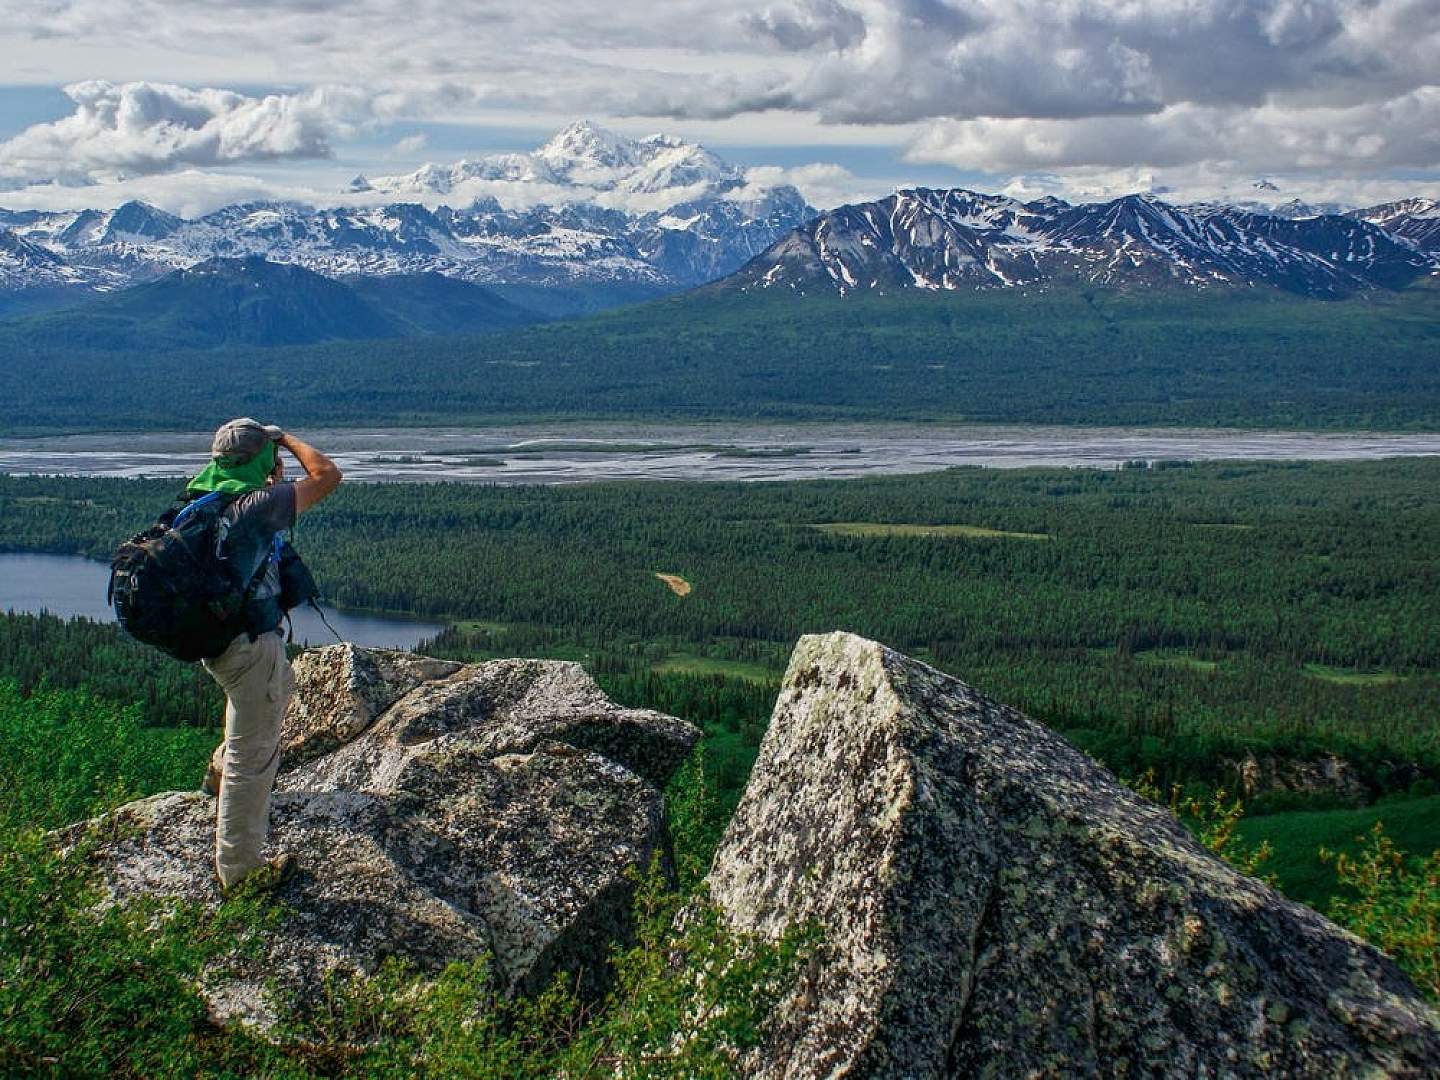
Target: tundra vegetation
(1156, 641)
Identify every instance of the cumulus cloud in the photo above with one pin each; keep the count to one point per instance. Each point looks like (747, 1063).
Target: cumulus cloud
(140, 128)
(920, 59)
(824, 184)
(805, 25)
(1011, 85)
(1204, 183)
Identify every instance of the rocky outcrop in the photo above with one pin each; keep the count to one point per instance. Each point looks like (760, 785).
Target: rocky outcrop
(441, 812)
(994, 903)
(1323, 774)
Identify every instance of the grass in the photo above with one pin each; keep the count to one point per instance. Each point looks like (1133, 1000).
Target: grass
(691, 664)
(1350, 676)
(874, 528)
(1178, 659)
(481, 626)
(677, 584)
(1414, 825)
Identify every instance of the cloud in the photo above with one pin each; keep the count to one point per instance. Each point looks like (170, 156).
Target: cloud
(1203, 183)
(1066, 59)
(1401, 132)
(189, 193)
(142, 128)
(805, 25)
(409, 146)
(1019, 86)
(824, 184)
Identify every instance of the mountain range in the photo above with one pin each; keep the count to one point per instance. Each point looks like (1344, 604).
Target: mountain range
(701, 221)
(957, 239)
(635, 219)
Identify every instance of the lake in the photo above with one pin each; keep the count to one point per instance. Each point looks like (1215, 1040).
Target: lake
(572, 452)
(68, 585)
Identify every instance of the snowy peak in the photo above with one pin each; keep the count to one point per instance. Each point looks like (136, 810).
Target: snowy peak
(586, 158)
(138, 220)
(586, 145)
(1415, 221)
(709, 223)
(961, 239)
(601, 209)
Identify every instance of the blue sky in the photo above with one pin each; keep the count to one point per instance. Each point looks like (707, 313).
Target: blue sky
(191, 103)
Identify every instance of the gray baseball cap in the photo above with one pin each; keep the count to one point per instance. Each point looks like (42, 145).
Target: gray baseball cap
(241, 439)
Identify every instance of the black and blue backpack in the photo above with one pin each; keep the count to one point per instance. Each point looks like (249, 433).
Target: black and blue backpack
(174, 587)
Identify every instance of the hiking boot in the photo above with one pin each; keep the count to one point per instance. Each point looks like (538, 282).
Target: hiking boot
(269, 876)
(211, 784)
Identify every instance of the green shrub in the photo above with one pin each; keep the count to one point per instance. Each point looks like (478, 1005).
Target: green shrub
(1395, 904)
(65, 755)
(103, 992)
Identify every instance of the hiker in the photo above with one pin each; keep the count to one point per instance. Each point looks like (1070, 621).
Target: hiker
(253, 670)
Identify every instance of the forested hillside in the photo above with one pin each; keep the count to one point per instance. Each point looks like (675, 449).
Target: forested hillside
(1068, 356)
(1165, 616)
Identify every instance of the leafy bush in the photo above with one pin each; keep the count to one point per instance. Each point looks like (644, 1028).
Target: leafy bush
(65, 755)
(1214, 818)
(105, 992)
(1395, 904)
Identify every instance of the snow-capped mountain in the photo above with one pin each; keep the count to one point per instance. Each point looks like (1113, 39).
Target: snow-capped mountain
(584, 157)
(1415, 220)
(957, 239)
(701, 221)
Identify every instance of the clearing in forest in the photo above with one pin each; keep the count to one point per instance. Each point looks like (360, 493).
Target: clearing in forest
(678, 585)
(1177, 659)
(1350, 676)
(876, 528)
(690, 664)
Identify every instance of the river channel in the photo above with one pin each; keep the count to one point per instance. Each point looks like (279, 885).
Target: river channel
(572, 453)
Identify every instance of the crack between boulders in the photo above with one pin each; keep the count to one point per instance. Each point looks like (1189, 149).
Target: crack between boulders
(988, 914)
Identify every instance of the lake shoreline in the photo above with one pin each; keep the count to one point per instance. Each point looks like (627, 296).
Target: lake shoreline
(71, 586)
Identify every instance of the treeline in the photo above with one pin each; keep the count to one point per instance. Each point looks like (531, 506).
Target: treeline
(1230, 358)
(44, 650)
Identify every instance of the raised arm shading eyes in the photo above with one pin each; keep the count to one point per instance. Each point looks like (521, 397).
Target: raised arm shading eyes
(322, 476)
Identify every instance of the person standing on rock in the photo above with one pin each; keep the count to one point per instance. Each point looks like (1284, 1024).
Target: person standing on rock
(254, 671)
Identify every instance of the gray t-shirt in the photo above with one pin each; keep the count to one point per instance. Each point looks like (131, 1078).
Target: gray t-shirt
(254, 520)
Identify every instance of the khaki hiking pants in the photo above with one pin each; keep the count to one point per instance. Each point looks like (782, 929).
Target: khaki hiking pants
(256, 678)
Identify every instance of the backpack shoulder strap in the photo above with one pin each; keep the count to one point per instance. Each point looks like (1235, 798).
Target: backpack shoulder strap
(208, 499)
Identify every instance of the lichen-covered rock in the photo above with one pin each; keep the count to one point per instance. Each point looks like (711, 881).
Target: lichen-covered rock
(341, 689)
(479, 812)
(997, 904)
(509, 706)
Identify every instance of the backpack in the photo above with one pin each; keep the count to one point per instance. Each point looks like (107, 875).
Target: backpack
(173, 587)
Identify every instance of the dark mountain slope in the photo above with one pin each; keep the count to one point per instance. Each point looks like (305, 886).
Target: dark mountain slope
(435, 304)
(959, 240)
(1093, 356)
(219, 302)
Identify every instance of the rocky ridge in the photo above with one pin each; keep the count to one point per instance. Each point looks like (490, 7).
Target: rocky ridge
(956, 239)
(995, 903)
(441, 812)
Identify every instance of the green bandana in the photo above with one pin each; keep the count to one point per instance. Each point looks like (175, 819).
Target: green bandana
(221, 475)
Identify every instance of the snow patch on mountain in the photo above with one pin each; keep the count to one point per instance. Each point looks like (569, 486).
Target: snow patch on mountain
(957, 239)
